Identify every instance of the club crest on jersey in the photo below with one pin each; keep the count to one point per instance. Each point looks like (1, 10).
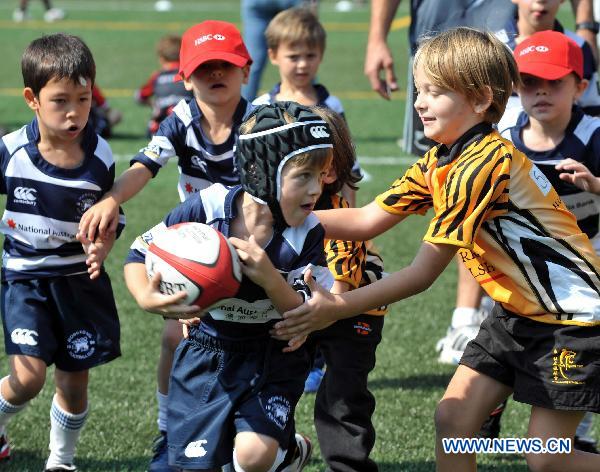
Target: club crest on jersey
(81, 344)
(278, 410)
(84, 202)
(25, 195)
(362, 328)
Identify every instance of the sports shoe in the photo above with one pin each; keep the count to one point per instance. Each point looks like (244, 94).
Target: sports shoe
(160, 459)
(61, 468)
(311, 385)
(452, 346)
(585, 444)
(54, 14)
(4, 446)
(302, 454)
(19, 16)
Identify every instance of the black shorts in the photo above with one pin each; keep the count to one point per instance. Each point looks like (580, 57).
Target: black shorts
(553, 366)
(70, 321)
(219, 388)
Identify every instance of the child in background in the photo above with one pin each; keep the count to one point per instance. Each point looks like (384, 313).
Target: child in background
(52, 14)
(53, 169)
(233, 388)
(102, 116)
(562, 141)
(344, 405)
(493, 206)
(200, 133)
(162, 91)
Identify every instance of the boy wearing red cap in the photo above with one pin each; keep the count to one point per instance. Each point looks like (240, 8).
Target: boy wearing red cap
(213, 64)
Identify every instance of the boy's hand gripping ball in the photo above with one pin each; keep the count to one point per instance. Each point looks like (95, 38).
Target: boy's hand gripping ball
(196, 258)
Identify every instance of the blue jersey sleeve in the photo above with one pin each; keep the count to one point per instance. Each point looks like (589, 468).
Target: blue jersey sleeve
(163, 146)
(4, 158)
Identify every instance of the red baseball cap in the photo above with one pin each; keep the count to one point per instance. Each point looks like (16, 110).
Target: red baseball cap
(549, 55)
(211, 40)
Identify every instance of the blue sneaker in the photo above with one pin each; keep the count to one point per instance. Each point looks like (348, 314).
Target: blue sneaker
(311, 385)
(160, 459)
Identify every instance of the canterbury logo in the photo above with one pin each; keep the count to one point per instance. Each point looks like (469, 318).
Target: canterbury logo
(24, 336)
(319, 132)
(25, 193)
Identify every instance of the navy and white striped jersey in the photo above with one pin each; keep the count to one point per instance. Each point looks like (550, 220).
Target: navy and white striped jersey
(581, 143)
(250, 313)
(590, 100)
(44, 204)
(201, 163)
(324, 99)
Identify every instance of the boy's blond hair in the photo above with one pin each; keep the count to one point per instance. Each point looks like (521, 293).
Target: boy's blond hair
(470, 62)
(168, 47)
(295, 26)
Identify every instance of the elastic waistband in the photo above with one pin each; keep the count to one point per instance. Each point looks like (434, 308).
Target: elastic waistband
(246, 345)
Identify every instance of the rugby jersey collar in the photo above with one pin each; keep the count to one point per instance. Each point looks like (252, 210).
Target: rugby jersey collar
(89, 142)
(322, 93)
(445, 155)
(215, 149)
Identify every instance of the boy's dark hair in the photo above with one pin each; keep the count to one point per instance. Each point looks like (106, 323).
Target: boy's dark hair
(168, 47)
(56, 56)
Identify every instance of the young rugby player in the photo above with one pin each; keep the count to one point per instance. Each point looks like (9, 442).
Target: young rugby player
(233, 390)
(494, 207)
(53, 169)
(200, 133)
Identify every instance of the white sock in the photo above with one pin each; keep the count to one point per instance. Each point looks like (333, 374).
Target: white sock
(464, 316)
(65, 428)
(7, 409)
(162, 411)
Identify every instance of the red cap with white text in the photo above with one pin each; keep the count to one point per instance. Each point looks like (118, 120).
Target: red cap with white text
(549, 55)
(208, 41)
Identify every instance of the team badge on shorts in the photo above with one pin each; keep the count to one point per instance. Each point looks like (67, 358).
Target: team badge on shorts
(563, 363)
(81, 344)
(278, 410)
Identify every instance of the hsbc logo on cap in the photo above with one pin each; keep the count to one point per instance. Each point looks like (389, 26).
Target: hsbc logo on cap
(319, 132)
(209, 37)
(533, 48)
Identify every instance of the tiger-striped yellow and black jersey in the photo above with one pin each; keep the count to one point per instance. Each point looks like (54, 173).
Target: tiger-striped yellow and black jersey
(512, 231)
(356, 263)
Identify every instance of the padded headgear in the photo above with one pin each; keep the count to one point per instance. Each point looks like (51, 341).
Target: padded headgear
(261, 154)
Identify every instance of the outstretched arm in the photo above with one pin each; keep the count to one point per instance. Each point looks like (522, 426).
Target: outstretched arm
(325, 308)
(103, 217)
(357, 224)
(578, 174)
(378, 56)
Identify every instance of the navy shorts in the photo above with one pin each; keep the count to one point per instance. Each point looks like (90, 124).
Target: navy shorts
(70, 321)
(220, 388)
(553, 366)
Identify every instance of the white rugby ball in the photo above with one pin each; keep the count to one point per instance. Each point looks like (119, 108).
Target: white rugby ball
(196, 258)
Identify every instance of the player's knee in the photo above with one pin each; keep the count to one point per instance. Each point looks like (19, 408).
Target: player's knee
(545, 463)
(255, 458)
(449, 419)
(26, 385)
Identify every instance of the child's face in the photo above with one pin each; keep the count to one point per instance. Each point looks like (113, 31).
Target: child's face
(217, 82)
(446, 115)
(62, 107)
(549, 101)
(300, 190)
(538, 14)
(298, 64)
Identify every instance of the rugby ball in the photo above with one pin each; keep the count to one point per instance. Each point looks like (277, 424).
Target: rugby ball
(196, 258)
